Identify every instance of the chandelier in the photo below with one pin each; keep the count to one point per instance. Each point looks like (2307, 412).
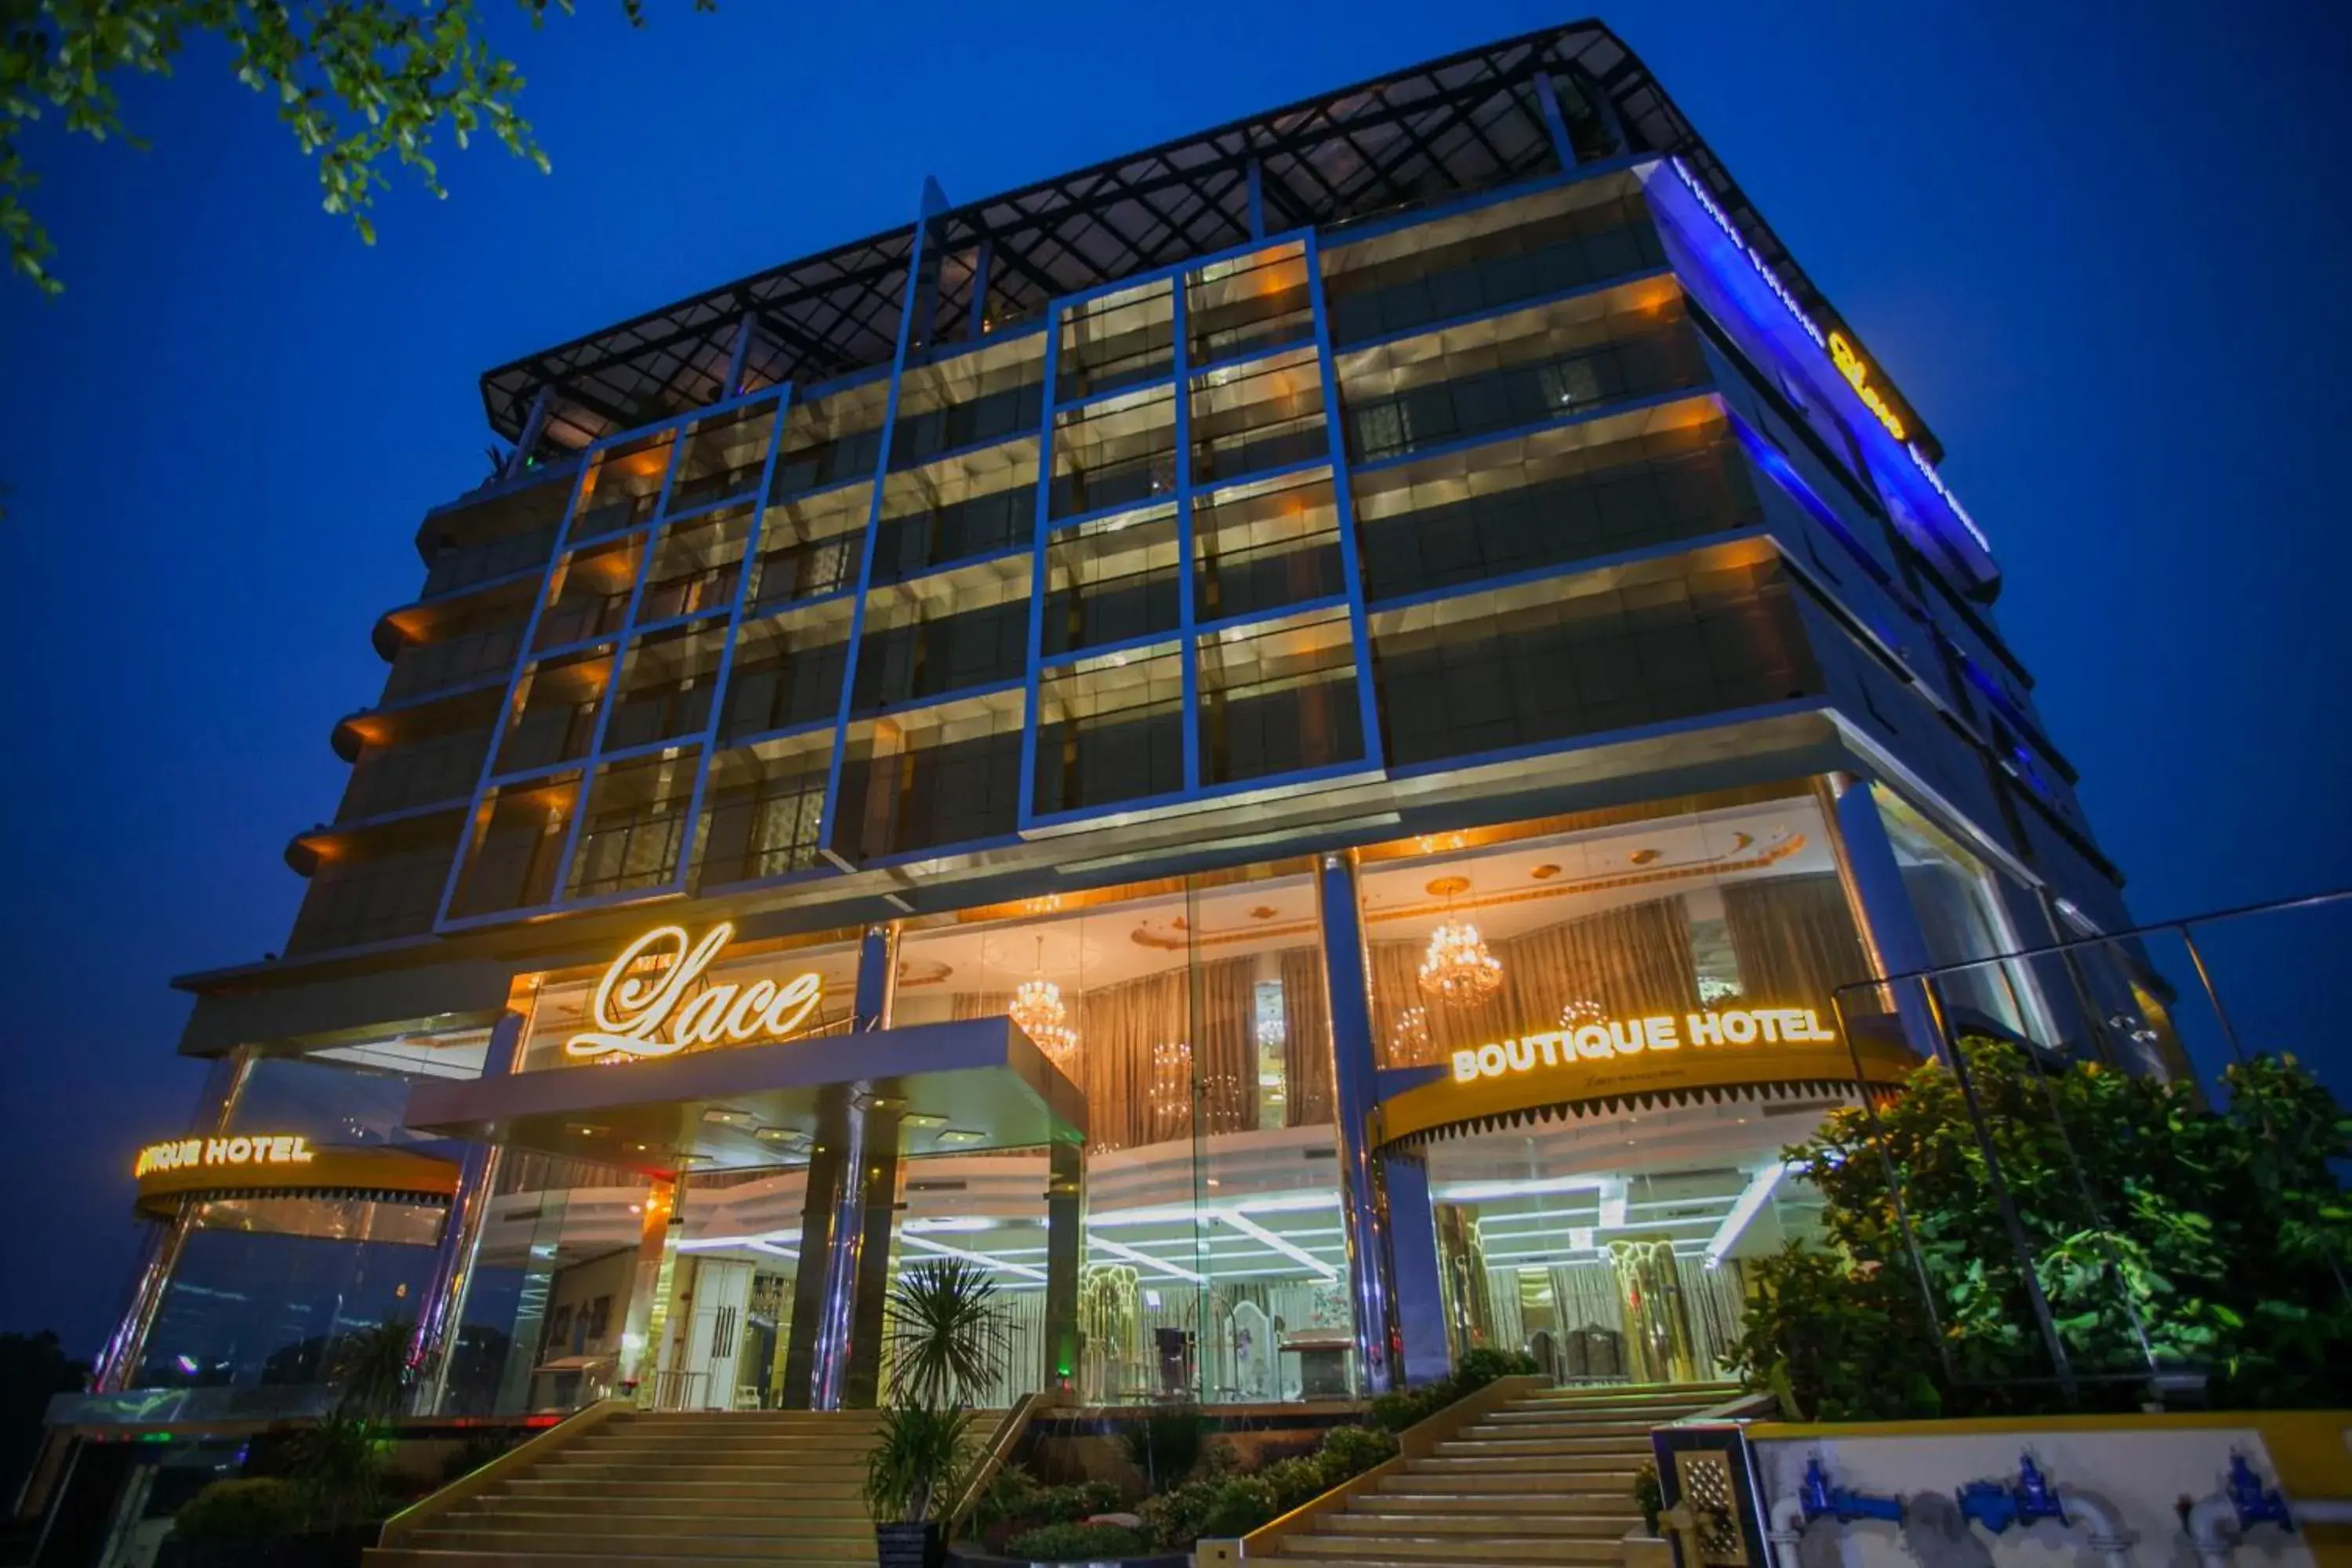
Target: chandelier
(1457, 968)
(1409, 1036)
(1038, 1008)
(1172, 1080)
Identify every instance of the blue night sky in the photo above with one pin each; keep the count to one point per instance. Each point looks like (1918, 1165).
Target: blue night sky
(2099, 245)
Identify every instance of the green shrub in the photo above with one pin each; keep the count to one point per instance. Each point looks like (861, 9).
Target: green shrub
(1294, 1481)
(1076, 1543)
(1350, 1451)
(254, 1509)
(1648, 1495)
(1238, 1506)
(1478, 1368)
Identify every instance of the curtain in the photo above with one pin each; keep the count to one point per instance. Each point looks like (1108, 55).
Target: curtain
(1225, 1045)
(1305, 1039)
(1134, 1061)
(1795, 939)
(1633, 961)
(980, 1005)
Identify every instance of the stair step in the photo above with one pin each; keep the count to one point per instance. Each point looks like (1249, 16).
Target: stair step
(579, 1544)
(1551, 1527)
(1454, 1550)
(720, 1497)
(443, 1557)
(660, 1520)
(813, 1443)
(1537, 1447)
(1624, 1393)
(1414, 1498)
(1656, 1414)
(1583, 1467)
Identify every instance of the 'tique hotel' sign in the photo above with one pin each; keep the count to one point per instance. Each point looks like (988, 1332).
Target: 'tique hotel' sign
(225, 1153)
(653, 1015)
(1614, 1037)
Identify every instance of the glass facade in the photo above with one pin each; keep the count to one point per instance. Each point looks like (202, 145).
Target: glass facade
(1394, 611)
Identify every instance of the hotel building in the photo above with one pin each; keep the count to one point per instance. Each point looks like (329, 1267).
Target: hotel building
(1287, 742)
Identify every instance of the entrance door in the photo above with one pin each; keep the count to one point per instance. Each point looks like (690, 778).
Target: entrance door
(714, 1336)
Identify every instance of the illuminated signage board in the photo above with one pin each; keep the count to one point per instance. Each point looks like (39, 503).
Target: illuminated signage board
(662, 1013)
(1843, 355)
(1611, 1039)
(223, 1153)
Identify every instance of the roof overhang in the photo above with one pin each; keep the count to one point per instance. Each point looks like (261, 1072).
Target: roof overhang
(957, 1088)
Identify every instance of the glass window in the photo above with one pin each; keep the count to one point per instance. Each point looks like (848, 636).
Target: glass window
(1735, 907)
(1961, 920)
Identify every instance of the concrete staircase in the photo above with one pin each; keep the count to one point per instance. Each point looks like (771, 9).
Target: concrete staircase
(1543, 1481)
(657, 1490)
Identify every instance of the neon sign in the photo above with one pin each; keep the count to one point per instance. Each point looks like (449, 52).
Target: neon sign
(1763, 269)
(191, 1154)
(1857, 374)
(1614, 1037)
(1841, 351)
(652, 1015)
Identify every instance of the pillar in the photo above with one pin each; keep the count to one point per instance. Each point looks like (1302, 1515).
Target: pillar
(1355, 1093)
(1065, 1222)
(822, 1196)
(658, 1233)
(1414, 1268)
(848, 1329)
(1883, 917)
(118, 1361)
(441, 1312)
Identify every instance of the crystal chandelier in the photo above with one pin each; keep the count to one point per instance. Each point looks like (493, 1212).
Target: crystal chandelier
(1171, 1079)
(1409, 1036)
(1457, 968)
(1038, 1008)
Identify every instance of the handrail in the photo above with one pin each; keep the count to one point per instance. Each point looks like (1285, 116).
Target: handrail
(473, 1482)
(1001, 1444)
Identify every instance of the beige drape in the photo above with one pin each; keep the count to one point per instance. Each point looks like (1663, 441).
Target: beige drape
(1633, 961)
(1305, 1039)
(1795, 939)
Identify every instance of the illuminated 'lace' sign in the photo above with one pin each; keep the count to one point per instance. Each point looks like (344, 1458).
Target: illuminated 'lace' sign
(672, 1008)
(1614, 1037)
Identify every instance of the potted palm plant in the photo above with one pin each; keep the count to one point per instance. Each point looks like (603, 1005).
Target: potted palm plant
(945, 1338)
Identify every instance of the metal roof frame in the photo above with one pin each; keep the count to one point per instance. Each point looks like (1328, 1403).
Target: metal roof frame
(1469, 121)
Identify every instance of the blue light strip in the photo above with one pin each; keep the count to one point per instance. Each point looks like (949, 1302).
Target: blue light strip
(1186, 619)
(1040, 578)
(717, 726)
(1343, 501)
(1812, 329)
(934, 202)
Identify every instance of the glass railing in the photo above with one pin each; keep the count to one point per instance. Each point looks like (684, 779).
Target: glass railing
(424, 668)
(462, 568)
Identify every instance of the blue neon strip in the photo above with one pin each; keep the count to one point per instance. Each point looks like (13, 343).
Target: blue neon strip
(1343, 499)
(873, 519)
(1040, 575)
(683, 875)
(1186, 619)
(477, 812)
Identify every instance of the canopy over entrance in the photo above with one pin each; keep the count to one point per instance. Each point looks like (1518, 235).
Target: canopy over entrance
(955, 1087)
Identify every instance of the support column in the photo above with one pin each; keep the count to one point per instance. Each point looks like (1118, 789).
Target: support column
(441, 1312)
(1883, 917)
(827, 1160)
(1354, 1094)
(1414, 1269)
(848, 1330)
(118, 1361)
(648, 1313)
(1065, 1225)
